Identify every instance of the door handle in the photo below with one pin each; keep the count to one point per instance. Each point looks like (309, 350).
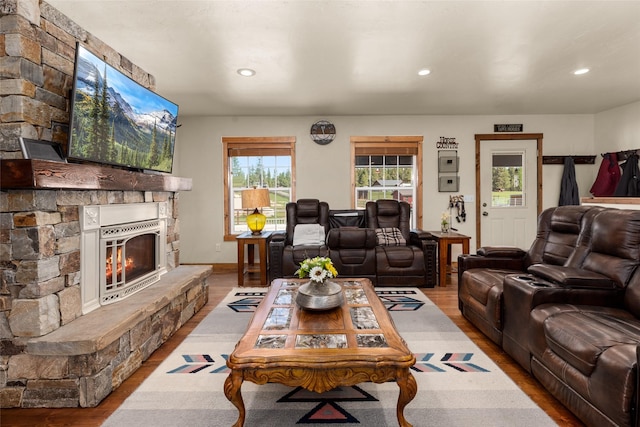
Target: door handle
(485, 213)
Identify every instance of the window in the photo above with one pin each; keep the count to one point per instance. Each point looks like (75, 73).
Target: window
(261, 162)
(506, 180)
(388, 167)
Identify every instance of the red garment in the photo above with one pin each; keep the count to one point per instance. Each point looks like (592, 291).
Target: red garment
(608, 176)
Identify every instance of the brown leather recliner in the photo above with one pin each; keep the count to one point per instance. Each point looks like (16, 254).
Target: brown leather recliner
(408, 264)
(481, 276)
(285, 258)
(574, 325)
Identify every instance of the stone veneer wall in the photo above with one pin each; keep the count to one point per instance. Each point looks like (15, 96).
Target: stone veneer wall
(40, 231)
(37, 56)
(40, 293)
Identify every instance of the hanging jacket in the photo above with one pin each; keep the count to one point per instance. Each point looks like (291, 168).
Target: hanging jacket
(569, 194)
(629, 185)
(608, 177)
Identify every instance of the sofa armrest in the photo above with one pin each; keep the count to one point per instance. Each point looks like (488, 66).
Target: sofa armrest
(469, 261)
(429, 247)
(571, 277)
(420, 234)
(501, 252)
(276, 251)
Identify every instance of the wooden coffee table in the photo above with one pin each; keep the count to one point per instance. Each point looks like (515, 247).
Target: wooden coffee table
(321, 350)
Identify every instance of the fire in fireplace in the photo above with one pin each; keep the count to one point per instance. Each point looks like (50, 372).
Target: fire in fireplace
(130, 258)
(138, 260)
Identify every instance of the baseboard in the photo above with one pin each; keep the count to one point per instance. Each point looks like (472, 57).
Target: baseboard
(228, 267)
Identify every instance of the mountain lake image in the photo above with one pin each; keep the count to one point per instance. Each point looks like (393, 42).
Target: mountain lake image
(118, 121)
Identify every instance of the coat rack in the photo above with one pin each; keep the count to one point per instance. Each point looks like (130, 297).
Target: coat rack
(559, 160)
(624, 155)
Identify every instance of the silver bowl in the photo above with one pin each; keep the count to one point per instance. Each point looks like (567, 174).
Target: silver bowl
(319, 296)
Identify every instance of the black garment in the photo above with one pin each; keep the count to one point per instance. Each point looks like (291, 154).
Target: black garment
(629, 185)
(569, 194)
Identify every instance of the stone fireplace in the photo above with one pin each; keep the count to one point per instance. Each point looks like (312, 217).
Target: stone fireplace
(61, 238)
(120, 251)
(56, 349)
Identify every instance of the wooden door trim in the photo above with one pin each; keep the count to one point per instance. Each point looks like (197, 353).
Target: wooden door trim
(506, 137)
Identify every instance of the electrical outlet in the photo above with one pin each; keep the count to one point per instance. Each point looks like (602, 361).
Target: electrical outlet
(218, 247)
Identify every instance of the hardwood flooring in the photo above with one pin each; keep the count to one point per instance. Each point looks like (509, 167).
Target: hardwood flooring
(221, 282)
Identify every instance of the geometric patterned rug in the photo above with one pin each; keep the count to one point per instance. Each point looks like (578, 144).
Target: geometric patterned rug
(457, 383)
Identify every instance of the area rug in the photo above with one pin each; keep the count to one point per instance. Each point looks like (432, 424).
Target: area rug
(458, 385)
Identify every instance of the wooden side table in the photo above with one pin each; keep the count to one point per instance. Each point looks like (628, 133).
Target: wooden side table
(445, 240)
(251, 241)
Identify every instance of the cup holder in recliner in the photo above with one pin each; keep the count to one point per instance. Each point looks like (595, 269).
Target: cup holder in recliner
(546, 285)
(526, 278)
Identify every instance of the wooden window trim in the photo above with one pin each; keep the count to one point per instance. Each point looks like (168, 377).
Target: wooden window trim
(391, 145)
(253, 146)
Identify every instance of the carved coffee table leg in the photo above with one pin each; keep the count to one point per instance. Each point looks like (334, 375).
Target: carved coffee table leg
(232, 390)
(408, 389)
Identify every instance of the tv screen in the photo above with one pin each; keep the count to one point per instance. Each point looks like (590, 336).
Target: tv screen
(116, 121)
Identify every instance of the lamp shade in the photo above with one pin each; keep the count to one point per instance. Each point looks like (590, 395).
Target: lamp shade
(253, 199)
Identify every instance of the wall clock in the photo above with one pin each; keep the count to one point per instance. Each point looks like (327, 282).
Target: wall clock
(323, 132)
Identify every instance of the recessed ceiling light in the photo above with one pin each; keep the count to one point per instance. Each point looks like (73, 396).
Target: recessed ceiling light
(424, 72)
(581, 71)
(246, 72)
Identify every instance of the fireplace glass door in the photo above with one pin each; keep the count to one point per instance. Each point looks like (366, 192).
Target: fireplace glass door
(129, 259)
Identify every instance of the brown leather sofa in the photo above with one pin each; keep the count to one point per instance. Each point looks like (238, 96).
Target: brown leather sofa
(574, 324)
(356, 243)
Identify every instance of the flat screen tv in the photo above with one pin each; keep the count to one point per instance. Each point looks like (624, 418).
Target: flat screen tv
(116, 121)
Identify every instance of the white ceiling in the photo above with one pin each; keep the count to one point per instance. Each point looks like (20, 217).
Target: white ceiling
(336, 57)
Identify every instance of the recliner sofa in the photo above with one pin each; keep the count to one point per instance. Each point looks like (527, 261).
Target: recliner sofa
(568, 309)
(375, 243)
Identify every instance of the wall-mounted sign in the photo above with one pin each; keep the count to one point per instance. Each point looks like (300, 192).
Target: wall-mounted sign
(508, 128)
(447, 143)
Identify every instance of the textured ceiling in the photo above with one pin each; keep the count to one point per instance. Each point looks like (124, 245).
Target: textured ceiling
(362, 57)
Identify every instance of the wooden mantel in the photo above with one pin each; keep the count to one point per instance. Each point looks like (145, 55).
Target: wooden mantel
(45, 174)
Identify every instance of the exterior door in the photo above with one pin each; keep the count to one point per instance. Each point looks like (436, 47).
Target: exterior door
(508, 198)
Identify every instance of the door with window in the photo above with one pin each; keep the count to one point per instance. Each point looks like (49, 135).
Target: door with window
(508, 201)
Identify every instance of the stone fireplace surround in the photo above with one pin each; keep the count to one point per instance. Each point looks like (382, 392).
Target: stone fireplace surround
(51, 355)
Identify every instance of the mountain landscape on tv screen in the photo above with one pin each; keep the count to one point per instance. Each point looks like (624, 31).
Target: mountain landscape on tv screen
(117, 121)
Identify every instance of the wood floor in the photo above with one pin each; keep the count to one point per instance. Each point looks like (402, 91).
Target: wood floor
(221, 283)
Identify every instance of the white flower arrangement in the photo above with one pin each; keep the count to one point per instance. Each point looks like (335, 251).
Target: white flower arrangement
(318, 269)
(444, 219)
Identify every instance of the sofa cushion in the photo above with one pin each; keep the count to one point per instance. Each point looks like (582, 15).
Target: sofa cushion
(581, 336)
(390, 236)
(351, 238)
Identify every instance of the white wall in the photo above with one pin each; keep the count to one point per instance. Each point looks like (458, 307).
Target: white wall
(323, 172)
(618, 129)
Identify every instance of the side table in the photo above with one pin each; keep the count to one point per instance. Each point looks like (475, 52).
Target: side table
(445, 240)
(261, 240)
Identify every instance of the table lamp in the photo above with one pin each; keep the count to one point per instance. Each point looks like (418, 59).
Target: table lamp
(255, 198)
